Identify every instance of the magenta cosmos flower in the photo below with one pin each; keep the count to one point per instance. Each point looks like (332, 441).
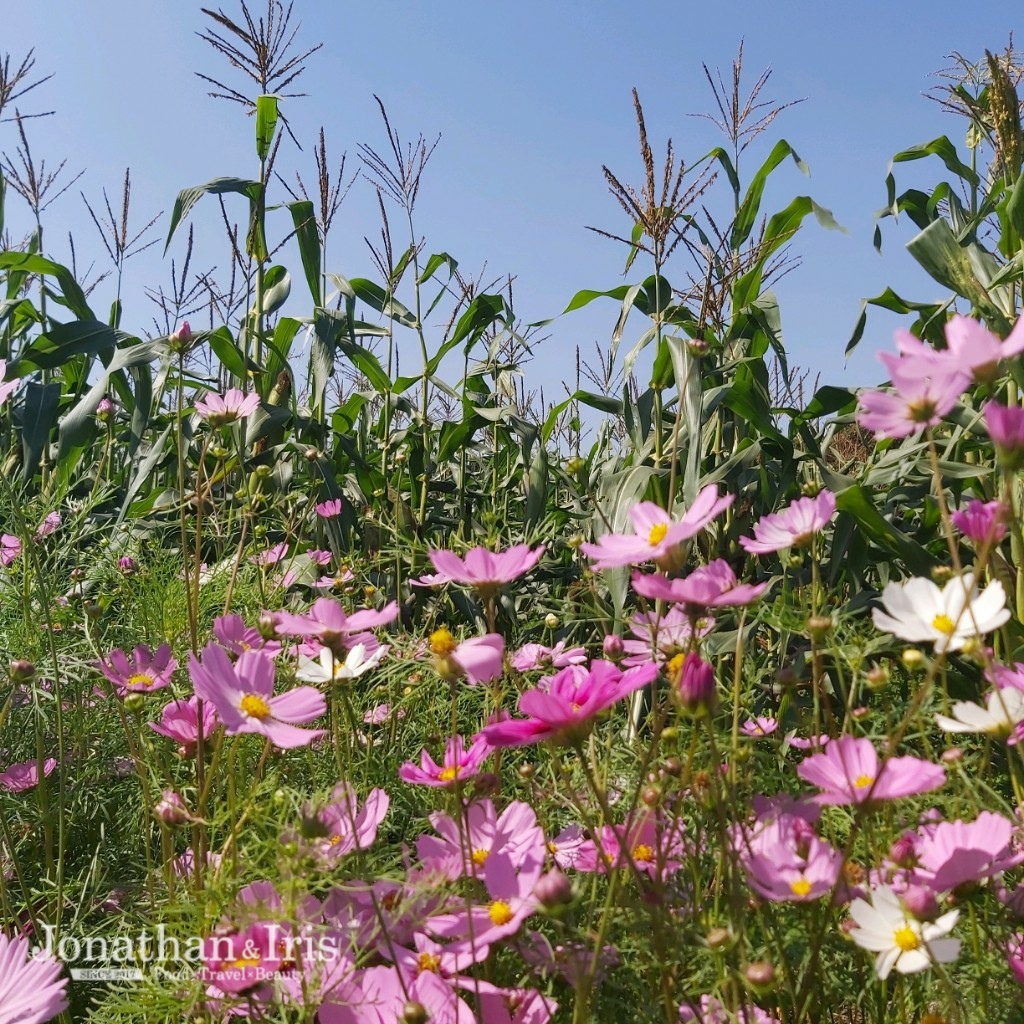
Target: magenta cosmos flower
(983, 522)
(785, 860)
(32, 989)
(25, 775)
(711, 586)
(970, 347)
(533, 656)
(6, 388)
(955, 853)
(459, 764)
(329, 509)
(145, 672)
(10, 548)
(348, 826)
(179, 721)
(922, 393)
(329, 623)
(849, 772)
(1006, 428)
(656, 536)
(565, 707)
(485, 570)
(793, 527)
(242, 693)
(477, 660)
(220, 410)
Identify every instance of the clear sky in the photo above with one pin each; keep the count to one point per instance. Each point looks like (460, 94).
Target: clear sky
(530, 99)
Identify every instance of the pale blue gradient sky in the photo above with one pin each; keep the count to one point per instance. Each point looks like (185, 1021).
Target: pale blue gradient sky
(530, 99)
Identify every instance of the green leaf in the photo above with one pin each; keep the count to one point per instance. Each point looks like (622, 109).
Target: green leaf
(39, 417)
(944, 150)
(277, 286)
(64, 341)
(1015, 206)
(308, 237)
(225, 349)
(930, 313)
(188, 197)
(376, 297)
(266, 124)
(28, 263)
(857, 502)
(746, 216)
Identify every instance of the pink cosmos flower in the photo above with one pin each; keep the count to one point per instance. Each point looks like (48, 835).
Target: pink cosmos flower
(486, 570)
(477, 660)
(242, 693)
(660, 637)
(220, 410)
(10, 548)
(654, 846)
(785, 860)
(566, 846)
(849, 772)
(244, 963)
(711, 586)
(348, 826)
(48, 525)
(793, 526)
(271, 556)
(6, 388)
(655, 535)
(955, 853)
(510, 902)
(923, 392)
(329, 623)
(179, 721)
(387, 992)
(983, 522)
(458, 765)
(710, 1010)
(25, 775)
(319, 556)
(534, 656)
(1006, 428)
(32, 989)
(463, 848)
(342, 577)
(565, 707)
(233, 634)
(1015, 957)
(970, 347)
(760, 726)
(329, 509)
(145, 672)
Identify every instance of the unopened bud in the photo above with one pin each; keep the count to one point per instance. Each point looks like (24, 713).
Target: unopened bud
(942, 574)
(718, 938)
(127, 565)
(486, 784)
(695, 683)
(574, 466)
(266, 625)
(171, 809)
(552, 621)
(553, 889)
(21, 671)
(920, 901)
(760, 975)
(913, 659)
(673, 766)
(575, 541)
(819, 626)
(181, 338)
(877, 677)
(311, 455)
(414, 1013)
(859, 714)
(952, 756)
(613, 648)
(134, 702)
(903, 851)
(650, 796)
(526, 772)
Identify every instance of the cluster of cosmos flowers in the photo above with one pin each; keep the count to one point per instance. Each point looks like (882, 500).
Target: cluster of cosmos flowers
(483, 878)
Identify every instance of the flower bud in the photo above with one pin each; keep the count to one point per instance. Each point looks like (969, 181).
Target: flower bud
(613, 648)
(650, 796)
(105, 410)
(760, 975)
(913, 659)
(414, 1013)
(266, 625)
(903, 850)
(942, 574)
(952, 756)
(553, 889)
(134, 702)
(311, 455)
(486, 784)
(180, 339)
(575, 541)
(877, 677)
(819, 626)
(574, 466)
(526, 772)
(20, 670)
(127, 565)
(695, 684)
(552, 621)
(718, 938)
(171, 809)
(920, 901)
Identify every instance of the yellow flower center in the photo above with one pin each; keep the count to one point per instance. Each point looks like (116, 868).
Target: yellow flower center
(429, 962)
(448, 774)
(500, 912)
(141, 679)
(801, 887)
(906, 938)
(657, 534)
(442, 642)
(335, 840)
(479, 857)
(552, 848)
(241, 965)
(922, 411)
(944, 624)
(643, 854)
(675, 667)
(863, 781)
(255, 706)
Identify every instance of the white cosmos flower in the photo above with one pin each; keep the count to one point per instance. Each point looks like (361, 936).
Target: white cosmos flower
(918, 611)
(329, 669)
(1003, 710)
(900, 940)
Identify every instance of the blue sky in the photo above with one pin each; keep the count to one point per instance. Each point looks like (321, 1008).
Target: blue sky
(530, 99)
